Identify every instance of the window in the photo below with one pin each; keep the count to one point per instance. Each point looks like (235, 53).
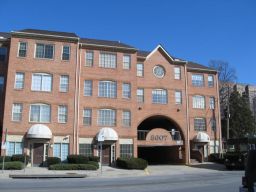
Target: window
(107, 60)
(159, 71)
(85, 149)
(126, 150)
(126, 62)
(213, 124)
(1, 83)
(140, 70)
(210, 81)
(61, 150)
(89, 59)
(87, 88)
(159, 96)
(212, 103)
(177, 73)
(127, 90)
(64, 83)
(140, 95)
(40, 113)
(41, 82)
(178, 97)
(22, 49)
(65, 52)
(126, 118)
(198, 102)
(16, 112)
(87, 117)
(107, 89)
(107, 117)
(19, 81)
(14, 148)
(199, 124)
(3, 53)
(62, 114)
(197, 80)
(45, 51)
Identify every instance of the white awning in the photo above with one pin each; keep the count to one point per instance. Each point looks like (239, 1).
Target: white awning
(202, 137)
(39, 131)
(107, 134)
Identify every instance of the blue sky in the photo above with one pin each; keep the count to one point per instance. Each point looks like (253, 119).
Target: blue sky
(195, 30)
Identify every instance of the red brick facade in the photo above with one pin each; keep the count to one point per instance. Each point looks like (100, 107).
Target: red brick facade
(179, 116)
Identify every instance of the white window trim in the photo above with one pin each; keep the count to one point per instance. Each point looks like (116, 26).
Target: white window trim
(62, 114)
(39, 121)
(62, 52)
(42, 75)
(53, 55)
(23, 81)
(19, 49)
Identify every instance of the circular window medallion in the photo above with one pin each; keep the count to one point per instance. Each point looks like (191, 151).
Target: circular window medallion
(159, 71)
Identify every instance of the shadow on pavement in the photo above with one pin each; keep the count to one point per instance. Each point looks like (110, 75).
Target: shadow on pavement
(211, 166)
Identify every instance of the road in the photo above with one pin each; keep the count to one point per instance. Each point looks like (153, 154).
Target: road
(210, 182)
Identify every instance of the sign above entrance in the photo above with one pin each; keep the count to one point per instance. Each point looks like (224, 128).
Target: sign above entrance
(158, 135)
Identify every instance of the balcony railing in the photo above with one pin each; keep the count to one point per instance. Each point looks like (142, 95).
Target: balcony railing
(175, 135)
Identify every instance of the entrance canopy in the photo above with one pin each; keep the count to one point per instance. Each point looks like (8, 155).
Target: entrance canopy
(39, 131)
(108, 134)
(202, 137)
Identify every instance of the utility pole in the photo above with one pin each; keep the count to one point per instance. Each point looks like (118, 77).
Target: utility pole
(228, 114)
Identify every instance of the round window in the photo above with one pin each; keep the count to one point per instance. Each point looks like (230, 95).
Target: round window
(159, 71)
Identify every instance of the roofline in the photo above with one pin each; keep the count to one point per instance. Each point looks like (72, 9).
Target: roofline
(90, 44)
(157, 47)
(200, 69)
(47, 35)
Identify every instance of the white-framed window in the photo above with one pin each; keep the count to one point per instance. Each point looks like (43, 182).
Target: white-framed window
(107, 89)
(3, 53)
(126, 62)
(197, 80)
(210, 81)
(17, 111)
(140, 70)
(65, 53)
(159, 96)
(89, 58)
(62, 114)
(107, 117)
(198, 102)
(126, 90)
(126, 150)
(40, 113)
(22, 49)
(126, 118)
(45, 51)
(199, 124)
(19, 80)
(1, 83)
(86, 149)
(177, 73)
(41, 82)
(159, 71)
(213, 124)
(140, 95)
(178, 97)
(87, 116)
(107, 60)
(61, 150)
(212, 103)
(14, 148)
(88, 88)
(64, 83)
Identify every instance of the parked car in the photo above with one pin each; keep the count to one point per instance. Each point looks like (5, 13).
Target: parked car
(249, 180)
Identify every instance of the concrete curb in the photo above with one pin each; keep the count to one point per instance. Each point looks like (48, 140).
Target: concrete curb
(46, 176)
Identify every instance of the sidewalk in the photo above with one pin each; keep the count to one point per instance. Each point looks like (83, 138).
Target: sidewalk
(115, 172)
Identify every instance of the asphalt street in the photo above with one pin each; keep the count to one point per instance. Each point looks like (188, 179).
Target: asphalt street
(227, 181)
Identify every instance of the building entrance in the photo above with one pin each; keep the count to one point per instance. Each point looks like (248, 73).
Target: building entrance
(38, 153)
(106, 154)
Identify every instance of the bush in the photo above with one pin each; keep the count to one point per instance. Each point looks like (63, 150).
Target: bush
(13, 165)
(77, 159)
(20, 158)
(6, 159)
(96, 164)
(94, 158)
(52, 161)
(131, 163)
(63, 166)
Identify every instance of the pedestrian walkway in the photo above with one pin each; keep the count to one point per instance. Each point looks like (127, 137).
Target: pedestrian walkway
(115, 172)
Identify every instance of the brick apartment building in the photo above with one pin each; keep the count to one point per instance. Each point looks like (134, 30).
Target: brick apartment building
(61, 94)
